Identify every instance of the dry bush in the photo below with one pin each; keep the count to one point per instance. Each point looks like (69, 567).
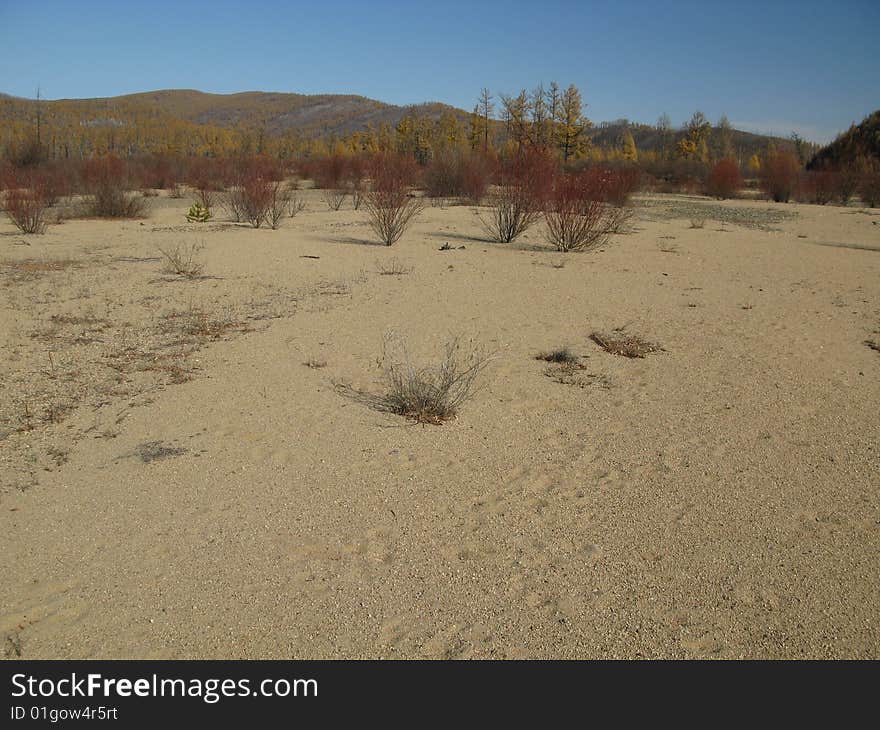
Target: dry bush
(389, 204)
(394, 267)
(256, 198)
(516, 204)
(698, 222)
(578, 216)
(206, 197)
(512, 211)
(296, 204)
(779, 175)
(724, 179)
(355, 180)
(279, 203)
(107, 181)
(620, 343)
(431, 394)
(252, 186)
(184, 260)
(26, 208)
(334, 197)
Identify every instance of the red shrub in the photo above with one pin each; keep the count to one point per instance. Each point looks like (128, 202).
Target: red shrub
(476, 173)
(779, 175)
(25, 203)
(107, 179)
(515, 205)
(724, 179)
(534, 171)
(354, 179)
(817, 186)
(389, 203)
(328, 172)
(579, 215)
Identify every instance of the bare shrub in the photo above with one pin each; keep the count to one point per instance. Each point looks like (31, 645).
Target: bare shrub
(394, 267)
(578, 216)
(184, 260)
(432, 394)
(334, 197)
(512, 211)
(206, 197)
(724, 179)
(296, 204)
(516, 204)
(107, 182)
(279, 203)
(257, 193)
(232, 201)
(251, 187)
(779, 175)
(355, 180)
(389, 204)
(698, 222)
(26, 208)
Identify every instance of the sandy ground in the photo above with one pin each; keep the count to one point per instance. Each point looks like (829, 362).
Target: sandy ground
(176, 482)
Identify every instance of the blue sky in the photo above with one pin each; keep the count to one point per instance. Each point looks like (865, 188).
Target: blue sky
(810, 67)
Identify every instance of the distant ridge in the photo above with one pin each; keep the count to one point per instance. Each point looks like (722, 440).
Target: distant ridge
(309, 116)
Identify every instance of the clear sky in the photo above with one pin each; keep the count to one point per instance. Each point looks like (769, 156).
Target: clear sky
(773, 66)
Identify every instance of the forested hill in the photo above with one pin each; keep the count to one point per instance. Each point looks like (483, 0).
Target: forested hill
(190, 122)
(858, 146)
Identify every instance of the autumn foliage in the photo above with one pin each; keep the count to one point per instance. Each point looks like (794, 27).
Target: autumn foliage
(724, 179)
(779, 175)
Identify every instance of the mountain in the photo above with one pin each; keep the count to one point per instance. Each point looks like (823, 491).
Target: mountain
(193, 122)
(310, 115)
(860, 144)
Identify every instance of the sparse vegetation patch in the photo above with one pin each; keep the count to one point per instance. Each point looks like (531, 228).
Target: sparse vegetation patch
(625, 345)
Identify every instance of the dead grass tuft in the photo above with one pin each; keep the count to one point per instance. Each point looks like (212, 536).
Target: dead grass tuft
(620, 343)
(561, 355)
(31, 269)
(393, 268)
(184, 260)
